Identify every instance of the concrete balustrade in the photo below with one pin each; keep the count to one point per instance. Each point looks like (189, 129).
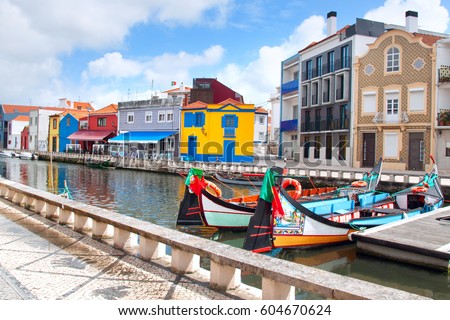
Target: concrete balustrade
(280, 278)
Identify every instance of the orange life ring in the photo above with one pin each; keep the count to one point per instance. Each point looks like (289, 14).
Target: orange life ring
(211, 186)
(292, 182)
(419, 189)
(359, 184)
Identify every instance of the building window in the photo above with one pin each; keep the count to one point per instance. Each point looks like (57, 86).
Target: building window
(308, 70)
(169, 116)
(330, 61)
(68, 121)
(326, 87)
(230, 121)
(261, 136)
(319, 66)
(130, 117)
(447, 149)
(390, 145)
(369, 102)
(295, 111)
(261, 119)
(161, 116)
(393, 60)
(392, 107)
(417, 99)
(55, 124)
(199, 119)
(101, 122)
(148, 117)
(317, 148)
(345, 57)
(342, 147)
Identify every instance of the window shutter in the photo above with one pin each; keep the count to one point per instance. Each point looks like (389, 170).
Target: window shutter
(188, 119)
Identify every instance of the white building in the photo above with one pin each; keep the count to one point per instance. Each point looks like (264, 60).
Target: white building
(15, 128)
(39, 122)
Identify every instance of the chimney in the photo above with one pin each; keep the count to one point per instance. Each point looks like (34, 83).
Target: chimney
(331, 23)
(411, 21)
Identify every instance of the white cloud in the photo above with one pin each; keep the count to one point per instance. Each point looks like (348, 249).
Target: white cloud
(114, 65)
(433, 16)
(257, 80)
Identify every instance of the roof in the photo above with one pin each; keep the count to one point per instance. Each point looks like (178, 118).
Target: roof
(261, 110)
(230, 101)
(79, 105)
(11, 108)
(112, 108)
(312, 44)
(178, 90)
(427, 38)
(22, 118)
(196, 105)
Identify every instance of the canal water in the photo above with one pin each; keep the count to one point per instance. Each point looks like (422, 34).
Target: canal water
(155, 197)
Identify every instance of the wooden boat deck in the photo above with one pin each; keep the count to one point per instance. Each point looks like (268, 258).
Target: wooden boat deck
(422, 240)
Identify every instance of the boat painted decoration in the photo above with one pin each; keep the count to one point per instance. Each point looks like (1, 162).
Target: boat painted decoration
(282, 222)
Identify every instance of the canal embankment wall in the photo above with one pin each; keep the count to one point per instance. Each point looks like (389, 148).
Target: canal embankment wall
(315, 175)
(280, 278)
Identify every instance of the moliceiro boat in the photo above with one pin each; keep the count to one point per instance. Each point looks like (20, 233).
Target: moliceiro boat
(282, 222)
(97, 163)
(203, 205)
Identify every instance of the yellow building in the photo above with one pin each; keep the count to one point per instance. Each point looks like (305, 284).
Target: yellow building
(217, 132)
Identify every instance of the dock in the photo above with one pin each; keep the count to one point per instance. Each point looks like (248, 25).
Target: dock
(423, 240)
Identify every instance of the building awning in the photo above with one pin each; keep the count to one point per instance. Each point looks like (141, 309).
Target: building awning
(90, 135)
(141, 136)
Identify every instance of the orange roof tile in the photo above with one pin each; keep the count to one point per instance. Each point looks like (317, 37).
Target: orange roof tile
(428, 39)
(196, 105)
(112, 108)
(22, 118)
(80, 105)
(260, 110)
(312, 44)
(230, 101)
(11, 108)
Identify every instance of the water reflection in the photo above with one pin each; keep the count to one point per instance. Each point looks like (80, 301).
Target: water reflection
(155, 198)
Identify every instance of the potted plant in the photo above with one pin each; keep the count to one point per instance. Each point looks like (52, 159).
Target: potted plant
(444, 117)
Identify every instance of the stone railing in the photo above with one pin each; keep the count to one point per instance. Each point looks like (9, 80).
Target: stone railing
(279, 277)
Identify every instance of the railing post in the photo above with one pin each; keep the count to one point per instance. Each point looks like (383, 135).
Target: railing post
(66, 217)
(274, 290)
(80, 222)
(151, 249)
(120, 237)
(184, 262)
(40, 207)
(101, 230)
(224, 277)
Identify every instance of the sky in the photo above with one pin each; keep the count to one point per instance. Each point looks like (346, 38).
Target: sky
(107, 51)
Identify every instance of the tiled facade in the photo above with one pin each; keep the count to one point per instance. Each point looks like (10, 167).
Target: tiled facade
(383, 127)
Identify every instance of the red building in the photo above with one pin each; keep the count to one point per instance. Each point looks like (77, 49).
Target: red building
(211, 91)
(96, 128)
(24, 138)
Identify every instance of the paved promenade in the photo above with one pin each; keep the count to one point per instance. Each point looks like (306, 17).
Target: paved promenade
(40, 259)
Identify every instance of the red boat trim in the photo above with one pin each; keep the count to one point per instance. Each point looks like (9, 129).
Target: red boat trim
(253, 174)
(259, 234)
(262, 249)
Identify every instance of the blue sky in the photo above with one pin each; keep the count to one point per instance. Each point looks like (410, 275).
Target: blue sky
(106, 51)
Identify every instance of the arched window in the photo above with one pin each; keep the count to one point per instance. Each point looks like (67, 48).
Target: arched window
(393, 60)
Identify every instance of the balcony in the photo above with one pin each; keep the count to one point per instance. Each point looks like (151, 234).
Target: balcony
(325, 125)
(289, 86)
(444, 118)
(289, 125)
(444, 74)
(384, 117)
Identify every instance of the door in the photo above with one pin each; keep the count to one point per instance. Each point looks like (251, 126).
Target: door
(54, 145)
(416, 151)
(368, 152)
(192, 147)
(229, 146)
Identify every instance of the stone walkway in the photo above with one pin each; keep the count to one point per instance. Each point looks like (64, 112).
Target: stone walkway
(40, 259)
